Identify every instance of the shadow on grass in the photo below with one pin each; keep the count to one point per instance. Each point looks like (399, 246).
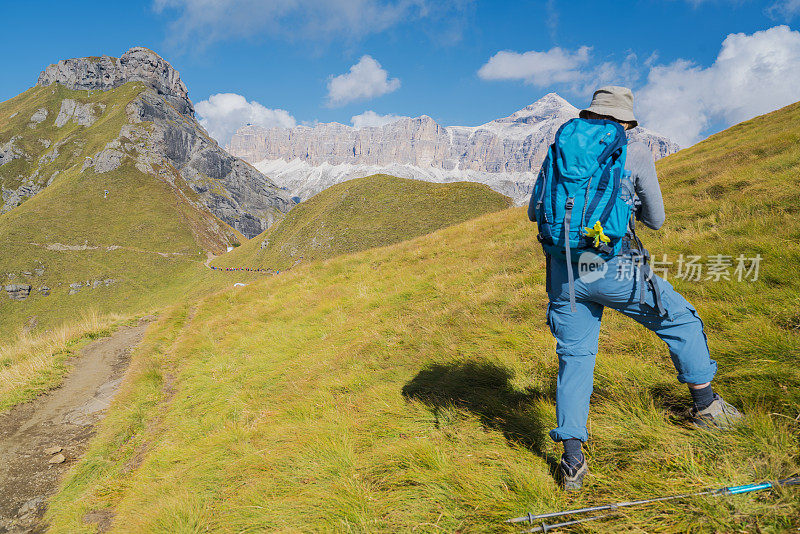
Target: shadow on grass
(672, 398)
(484, 389)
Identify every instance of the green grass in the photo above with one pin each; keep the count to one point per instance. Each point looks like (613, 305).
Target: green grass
(736, 193)
(411, 387)
(75, 142)
(360, 214)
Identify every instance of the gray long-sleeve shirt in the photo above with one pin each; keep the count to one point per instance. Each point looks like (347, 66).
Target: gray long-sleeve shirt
(645, 182)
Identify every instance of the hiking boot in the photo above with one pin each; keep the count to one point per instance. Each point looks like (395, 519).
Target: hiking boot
(572, 475)
(719, 415)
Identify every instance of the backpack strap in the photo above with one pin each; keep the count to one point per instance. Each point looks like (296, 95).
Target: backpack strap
(547, 282)
(607, 160)
(646, 274)
(570, 275)
(536, 202)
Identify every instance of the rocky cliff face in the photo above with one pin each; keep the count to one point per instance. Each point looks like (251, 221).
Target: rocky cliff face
(231, 189)
(505, 153)
(138, 64)
(169, 141)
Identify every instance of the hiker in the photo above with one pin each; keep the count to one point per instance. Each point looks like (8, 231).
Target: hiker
(590, 183)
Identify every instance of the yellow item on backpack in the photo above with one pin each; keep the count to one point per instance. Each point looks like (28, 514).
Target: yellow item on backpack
(597, 234)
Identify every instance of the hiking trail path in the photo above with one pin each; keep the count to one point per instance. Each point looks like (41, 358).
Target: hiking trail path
(64, 419)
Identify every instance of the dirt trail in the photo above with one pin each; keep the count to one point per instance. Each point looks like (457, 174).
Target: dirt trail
(209, 258)
(64, 417)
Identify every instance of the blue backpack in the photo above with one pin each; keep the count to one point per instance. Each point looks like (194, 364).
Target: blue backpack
(583, 197)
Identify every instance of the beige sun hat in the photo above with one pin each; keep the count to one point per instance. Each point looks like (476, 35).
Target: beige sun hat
(613, 101)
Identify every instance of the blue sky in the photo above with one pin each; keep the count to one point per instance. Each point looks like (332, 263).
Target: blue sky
(462, 62)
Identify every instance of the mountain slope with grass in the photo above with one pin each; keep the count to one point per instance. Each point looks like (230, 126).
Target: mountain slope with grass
(112, 193)
(411, 387)
(108, 240)
(363, 213)
(90, 245)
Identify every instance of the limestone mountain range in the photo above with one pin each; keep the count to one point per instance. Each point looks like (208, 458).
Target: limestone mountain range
(505, 153)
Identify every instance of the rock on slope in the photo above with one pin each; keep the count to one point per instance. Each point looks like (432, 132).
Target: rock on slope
(161, 134)
(505, 153)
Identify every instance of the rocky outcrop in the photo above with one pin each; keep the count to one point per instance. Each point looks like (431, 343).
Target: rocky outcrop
(18, 291)
(505, 153)
(138, 64)
(9, 152)
(89, 284)
(228, 187)
(14, 197)
(83, 114)
(30, 185)
(38, 116)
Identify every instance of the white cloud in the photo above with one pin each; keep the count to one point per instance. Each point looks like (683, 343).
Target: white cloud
(370, 119)
(224, 113)
(200, 22)
(752, 75)
(784, 9)
(537, 68)
(626, 74)
(552, 19)
(366, 79)
(574, 70)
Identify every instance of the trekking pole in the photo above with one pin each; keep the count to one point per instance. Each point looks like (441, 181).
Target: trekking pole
(547, 528)
(730, 490)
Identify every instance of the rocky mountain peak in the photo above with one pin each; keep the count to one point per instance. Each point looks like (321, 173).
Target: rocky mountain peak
(550, 101)
(548, 107)
(139, 64)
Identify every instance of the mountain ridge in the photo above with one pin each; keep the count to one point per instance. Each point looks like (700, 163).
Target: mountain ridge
(111, 193)
(138, 64)
(504, 153)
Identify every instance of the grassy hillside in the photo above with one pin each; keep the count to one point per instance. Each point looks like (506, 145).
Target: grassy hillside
(411, 387)
(360, 214)
(137, 246)
(133, 249)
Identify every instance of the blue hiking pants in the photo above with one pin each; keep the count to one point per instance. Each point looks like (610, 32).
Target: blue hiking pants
(577, 332)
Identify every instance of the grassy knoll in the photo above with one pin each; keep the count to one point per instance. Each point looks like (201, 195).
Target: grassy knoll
(360, 214)
(411, 387)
